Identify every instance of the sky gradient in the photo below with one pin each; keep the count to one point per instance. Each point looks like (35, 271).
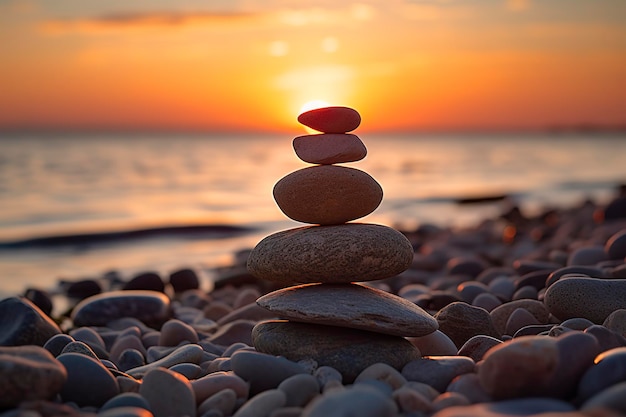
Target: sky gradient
(251, 65)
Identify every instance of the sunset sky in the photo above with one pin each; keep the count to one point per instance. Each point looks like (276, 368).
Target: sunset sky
(251, 65)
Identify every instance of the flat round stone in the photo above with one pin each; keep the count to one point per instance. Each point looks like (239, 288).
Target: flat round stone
(327, 194)
(350, 305)
(151, 307)
(331, 254)
(591, 298)
(333, 119)
(329, 148)
(349, 351)
(23, 323)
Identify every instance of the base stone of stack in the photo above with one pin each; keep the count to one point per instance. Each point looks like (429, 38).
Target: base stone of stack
(346, 253)
(349, 351)
(350, 305)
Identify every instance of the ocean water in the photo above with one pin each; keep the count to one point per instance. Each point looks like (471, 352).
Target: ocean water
(160, 202)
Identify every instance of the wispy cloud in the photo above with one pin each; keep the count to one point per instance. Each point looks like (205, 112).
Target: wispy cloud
(120, 21)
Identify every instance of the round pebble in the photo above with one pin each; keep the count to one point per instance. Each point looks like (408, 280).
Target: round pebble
(332, 119)
(168, 393)
(360, 400)
(263, 371)
(327, 194)
(438, 371)
(329, 148)
(88, 383)
(23, 323)
(461, 321)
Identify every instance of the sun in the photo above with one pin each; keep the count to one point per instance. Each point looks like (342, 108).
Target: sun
(313, 104)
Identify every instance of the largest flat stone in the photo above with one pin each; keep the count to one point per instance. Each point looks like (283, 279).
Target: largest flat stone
(331, 254)
(350, 305)
(347, 350)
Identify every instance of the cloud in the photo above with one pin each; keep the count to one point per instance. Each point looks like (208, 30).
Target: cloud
(118, 21)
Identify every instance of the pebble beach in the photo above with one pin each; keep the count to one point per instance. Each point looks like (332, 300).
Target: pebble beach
(518, 315)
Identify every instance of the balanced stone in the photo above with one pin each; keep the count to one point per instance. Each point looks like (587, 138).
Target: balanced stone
(349, 351)
(350, 305)
(591, 298)
(151, 307)
(327, 194)
(329, 148)
(333, 119)
(331, 254)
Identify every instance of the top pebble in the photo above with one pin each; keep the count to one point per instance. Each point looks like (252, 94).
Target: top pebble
(334, 119)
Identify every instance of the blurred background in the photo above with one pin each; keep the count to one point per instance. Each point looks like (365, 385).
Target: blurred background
(147, 135)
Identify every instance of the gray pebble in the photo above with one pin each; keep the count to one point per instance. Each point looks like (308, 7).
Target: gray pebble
(360, 400)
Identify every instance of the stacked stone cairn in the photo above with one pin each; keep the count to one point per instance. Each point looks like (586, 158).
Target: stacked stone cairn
(326, 314)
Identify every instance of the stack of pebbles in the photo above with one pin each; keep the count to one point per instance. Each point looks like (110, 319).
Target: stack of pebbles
(330, 318)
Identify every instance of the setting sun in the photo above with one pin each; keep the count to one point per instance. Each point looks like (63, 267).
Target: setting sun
(312, 105)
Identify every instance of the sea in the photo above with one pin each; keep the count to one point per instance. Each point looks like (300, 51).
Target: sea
(80, 205)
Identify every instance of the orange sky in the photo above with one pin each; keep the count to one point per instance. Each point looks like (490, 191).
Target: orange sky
(251, 64)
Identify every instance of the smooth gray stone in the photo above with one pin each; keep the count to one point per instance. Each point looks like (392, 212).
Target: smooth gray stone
(129, 359)
(262, 404)
(500, 315)
(476, 347)
(188, 370)
(350, 305)
(508, 408)
(168, 393)
(79, 347)
(590, 271)
(590, 298)
(608, 339)
(263, 371)
(89, 383)
(150, 307)
(56, 343)
(28, 373)
(347, 350)
(333, 254)
(299, 389)
(360, 400)
(461, 321)
(126, 399)
(609, 369)
(613, 398)
(23, 323)
(438, 371)
(185, 353)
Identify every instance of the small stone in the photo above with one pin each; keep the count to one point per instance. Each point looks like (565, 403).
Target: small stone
(486, 301)
(616, 321)
(476, 347)
(438, 371)
(191, 353)
(89, 383)
(590, 271)
(449, 399)
(174, 331)
(40, 298)
(609, 368)
(520, 317)
(468, 266)
(127, 399)
(183, 280)
(168, 393)
(590, 298)
(225, 401)
(92, 338)
(382, 372)
(612, 398)
(615, 247)
(28, 373)
(500, 315)
(470, 387)
(213, 383)
(238, 331)
(147, 281)
(299, 389)
(263, 371)
(514, 407)
(349, 351)
(329, 148)
(607, 338)
(411, 401)
(350, 305)
(23, 323)
(331, 254)
(327, 194)
(587, 256)
(616, 209)
(436, 343)
(83, 289)
(360, 400)
(461, 321)
(576, 323)
(56, 343)
(151, 307)
(262, 404)
(129, 359)
(325, 374)
(333, 119)
(79, 347)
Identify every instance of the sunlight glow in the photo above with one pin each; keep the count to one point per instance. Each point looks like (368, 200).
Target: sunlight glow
(313, 104)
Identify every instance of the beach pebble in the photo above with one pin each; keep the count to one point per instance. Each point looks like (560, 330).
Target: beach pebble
(213, 383)
(411, 401)
(466, 266)
(608, 339)
(40, 298)
(263, 371)
(327, 194)
(360, 400)
(188, 370)
(299, 389)
(89, 383)
(349, 351)
(500, 315)
(174, 331)
(470, 289)
(326, 149)
(148, 281)
(28, 373)
(325, 374)
(129, 359)
(331, 254)
(615, 246)
(590, 298)
(438, 371)
(150, 307)
(449, 399)
(436, 343)
(238, 331)
(486, 301)
(92, 338)
(262, 404)
(191, 353)
(23, 323)
(332, 119)
(509, 408)
(576, 323)
(616, 321)
(590, 271)
(616, 209)
(461, 321)
(609, 368)
(350, 305)
(83, 289)
(126, 399)
(476, 347)
(590, 255)
(168, 393)
(611, 398)
(56, 343)
(79, 347)
(520, 317)
(183, 280)
(224, 401)
(382, 372)
(469, 386)
(126, 342)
